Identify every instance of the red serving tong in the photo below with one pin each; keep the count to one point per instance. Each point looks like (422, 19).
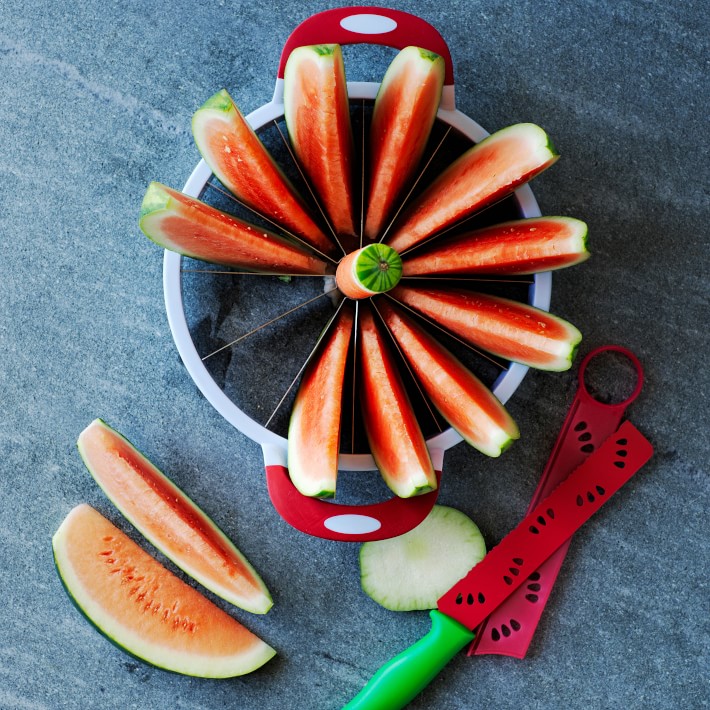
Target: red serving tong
(510, 628)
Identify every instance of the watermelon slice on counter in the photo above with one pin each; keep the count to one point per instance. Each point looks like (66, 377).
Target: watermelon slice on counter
(400, 261)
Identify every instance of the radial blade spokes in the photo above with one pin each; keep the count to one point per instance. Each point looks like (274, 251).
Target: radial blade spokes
(309, 357)
(362, 178)
(248, 273)
(307, 182)
(407, 365)
(278, 226)
(268, 323)
(414, 185)
(481, 353)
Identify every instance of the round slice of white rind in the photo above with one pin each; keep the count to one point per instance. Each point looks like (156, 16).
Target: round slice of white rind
(412, 571)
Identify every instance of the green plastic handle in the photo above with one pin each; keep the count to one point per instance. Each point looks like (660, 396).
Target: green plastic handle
(400, 680)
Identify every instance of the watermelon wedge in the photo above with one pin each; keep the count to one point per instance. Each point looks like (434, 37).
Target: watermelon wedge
(463, 400)
(317, 115)
(190, 227)
(373, 269)
(239, 159)
(484, 174)
(508, 329)
(169, 519)
(404, 113)
(314, 428)
(524, 246)
(145, 609)
(396, 441)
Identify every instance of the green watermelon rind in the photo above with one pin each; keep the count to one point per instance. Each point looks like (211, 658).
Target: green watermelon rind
(256, 660)
(368, 272)
(265, 602)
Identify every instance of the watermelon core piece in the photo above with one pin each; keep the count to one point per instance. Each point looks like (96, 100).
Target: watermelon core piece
(239, 159)
(314, 428)
(317, 114)
(169, 519)
(484, 174)
(405, 109)
(396, 441)
(525, 246)
(508, 329)
(461, 398)
(190, 227)
(144, 608)
(365, 272)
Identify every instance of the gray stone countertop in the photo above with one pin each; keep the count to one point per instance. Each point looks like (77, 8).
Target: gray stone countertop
(95, 102)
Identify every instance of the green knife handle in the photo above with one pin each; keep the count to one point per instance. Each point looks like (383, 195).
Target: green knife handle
(400, 680)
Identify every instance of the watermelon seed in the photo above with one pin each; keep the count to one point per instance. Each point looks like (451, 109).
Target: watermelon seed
(581, 426)
(534, 576)
(514, 571)
(587, 448)
(535, 587)
(459, 599)
(534, 530)
(506, 631)
(495, 635)
(600, 491)
(507, 579)
(469, 599)
(532, 598)
(590, 496)
(550, 513)
(541, 520)
(621, 453)
(580, 500)
(622, 442)
(585, 437)
(515, 625)
(518, 561)
(481, 598)
(619, 464)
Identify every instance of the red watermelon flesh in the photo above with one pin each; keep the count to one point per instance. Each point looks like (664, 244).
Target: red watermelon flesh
(484, 174)
(405, 109)
(190, 227)
(239, 159)
(461, 398)
(508, 329)
(396, 441)
(317, 115)
(524, 246)
(314, 428)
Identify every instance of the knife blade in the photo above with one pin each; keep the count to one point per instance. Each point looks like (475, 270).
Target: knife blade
(505, 568)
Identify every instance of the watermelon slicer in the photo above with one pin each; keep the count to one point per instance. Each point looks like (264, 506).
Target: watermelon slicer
(508, 631)
(393, 517)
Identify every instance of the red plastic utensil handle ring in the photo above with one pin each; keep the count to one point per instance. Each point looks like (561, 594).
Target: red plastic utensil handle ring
(368, 25)
(584, 393)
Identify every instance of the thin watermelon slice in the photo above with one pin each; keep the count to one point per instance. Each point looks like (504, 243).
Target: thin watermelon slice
(367, 271)
(191, 227)
(484, 174)
(463, 400)
(317, 115)
(169, 519)
(314, 428)
(404, 113)
(396, 441)
(508, 329)
(145, 609)
(525, 246)
(239, 159)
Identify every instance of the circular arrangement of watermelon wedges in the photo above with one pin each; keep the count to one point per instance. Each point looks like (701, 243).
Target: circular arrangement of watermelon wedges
(373, 260)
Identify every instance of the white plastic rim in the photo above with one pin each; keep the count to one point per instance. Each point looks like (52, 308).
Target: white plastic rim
(504, 387)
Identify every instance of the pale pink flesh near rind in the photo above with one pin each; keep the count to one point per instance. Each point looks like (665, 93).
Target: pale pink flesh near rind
(236, 155)
(193, 228)
(487, 172)
(396, 441)
(525, 246)
(169, 519)
(405, 108)
(459, 396)
(317, 113)
(314, 428)
(506, 328)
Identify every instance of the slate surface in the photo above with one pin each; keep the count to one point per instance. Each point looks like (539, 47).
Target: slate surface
(96, 100)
